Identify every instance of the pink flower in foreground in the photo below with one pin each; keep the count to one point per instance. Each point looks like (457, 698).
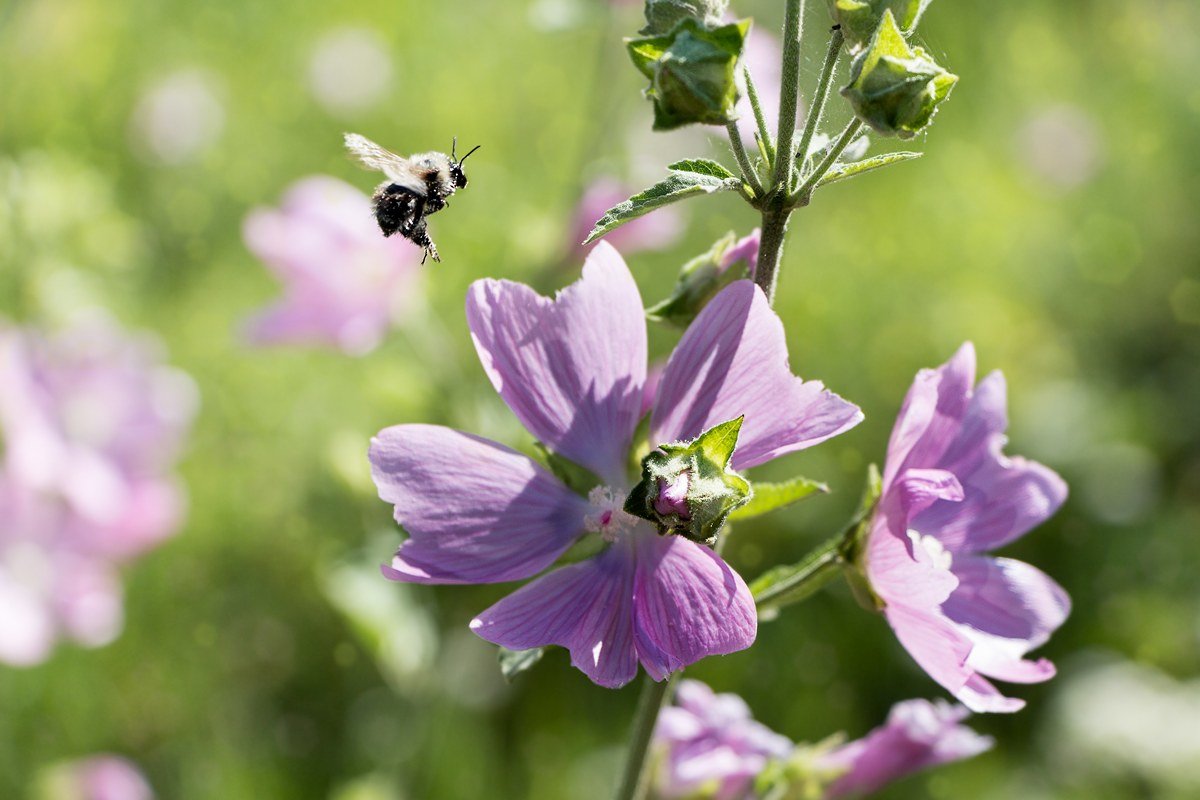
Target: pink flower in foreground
(91, 423)
(655, 231)
(949, 496)
(918, 735)
(712, 745)
(573, 369)
(345, 285)
(102, 777)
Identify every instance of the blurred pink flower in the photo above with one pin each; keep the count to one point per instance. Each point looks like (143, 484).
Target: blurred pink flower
(101, 777)
(918, 735)
(950, 495)
(657, 230)
(712, 745)
(91, 423)
(344, 284)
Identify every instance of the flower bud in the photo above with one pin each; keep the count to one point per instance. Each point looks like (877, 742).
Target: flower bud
(704, 276)
(860, 18)
(894, 88)
(692, 72)
(688, 489)
(663, 15)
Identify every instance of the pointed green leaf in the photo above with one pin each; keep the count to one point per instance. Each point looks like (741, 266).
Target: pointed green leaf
(770, 496)
(718, 442)
(842, 172)
(680, 185)
(702, 166)
(514, 662)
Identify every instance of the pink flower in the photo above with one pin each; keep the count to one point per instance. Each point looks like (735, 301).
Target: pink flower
(91, 423)
(918, 735)
(655, 231)
(949, 496)
(573, 369)
(712, 745)
(345, 285)
(101, 777)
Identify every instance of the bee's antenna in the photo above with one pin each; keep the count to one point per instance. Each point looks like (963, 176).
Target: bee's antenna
(472, 150)
(453, 147)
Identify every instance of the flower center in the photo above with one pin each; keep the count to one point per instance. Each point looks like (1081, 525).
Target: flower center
(607, 515)
(936, 552)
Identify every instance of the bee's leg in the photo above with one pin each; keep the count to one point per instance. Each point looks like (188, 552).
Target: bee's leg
(416, 217)
(420, 237)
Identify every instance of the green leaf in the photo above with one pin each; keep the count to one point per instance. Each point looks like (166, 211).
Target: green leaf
(681, 184)
(841, 172)
(771, 496)
(702, 166)
(514, 662)
(718, 442)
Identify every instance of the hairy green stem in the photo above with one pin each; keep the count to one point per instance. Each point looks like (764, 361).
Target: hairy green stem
(801, 195)
(816, 570)
(760, 119)
(770, 250)
(789, 94)
(636, 778)
(749, 175)
(836, 40)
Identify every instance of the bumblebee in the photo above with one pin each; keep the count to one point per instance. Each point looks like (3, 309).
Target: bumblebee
(416, 187)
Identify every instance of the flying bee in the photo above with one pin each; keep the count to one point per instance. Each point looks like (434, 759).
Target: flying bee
(416, 187)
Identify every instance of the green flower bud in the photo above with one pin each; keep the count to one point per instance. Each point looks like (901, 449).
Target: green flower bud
(692, 72)
(688, 489)
(894, 88)
(860, 18)
(701, 278)
(663, 15)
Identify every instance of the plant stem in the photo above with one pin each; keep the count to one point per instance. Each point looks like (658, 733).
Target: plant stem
(749, 175)
(789, 94)
(848, 133)
(836, 39)
(817, 569)
(770, 251)
(760, 119)
(635, 780)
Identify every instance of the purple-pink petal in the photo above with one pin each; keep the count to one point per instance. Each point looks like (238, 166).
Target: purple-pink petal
(918, 735)
(571, 368)
(586, 608)
(733, 361)
(1003, 500)
(689, 604)
(1007, 608)
(476, 511)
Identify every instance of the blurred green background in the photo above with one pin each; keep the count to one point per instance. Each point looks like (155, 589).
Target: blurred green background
(1053, 222)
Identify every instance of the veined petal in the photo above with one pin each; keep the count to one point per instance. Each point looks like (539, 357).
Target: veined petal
(688, 604)
(1003, 500)
(931, 415)
(476, 511)
(586, 608)
(934, 644)
(901, 570)
(1007, 608)
(571, 368)
(733, 361)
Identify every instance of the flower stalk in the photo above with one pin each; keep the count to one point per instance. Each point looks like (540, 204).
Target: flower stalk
(636, 778)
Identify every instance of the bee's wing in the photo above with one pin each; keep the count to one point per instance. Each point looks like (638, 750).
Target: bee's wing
(396, 168)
